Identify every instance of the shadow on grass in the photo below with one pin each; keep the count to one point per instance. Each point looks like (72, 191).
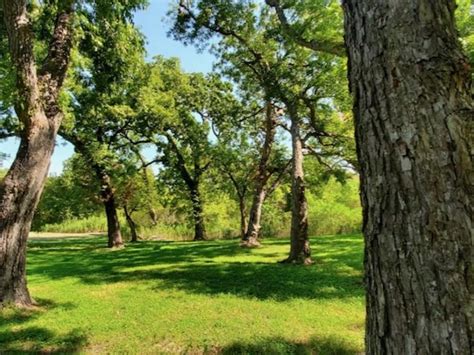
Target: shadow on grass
(35, 340)
(192, 267)
(277, 346)
(32, 339)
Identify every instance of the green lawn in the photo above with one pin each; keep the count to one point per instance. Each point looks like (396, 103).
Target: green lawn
(205, 297)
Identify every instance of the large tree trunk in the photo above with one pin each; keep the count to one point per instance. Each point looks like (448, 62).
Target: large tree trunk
(38, 111)
(131, 224)
(198, 214)
(414, 114)
(114, 236)
(300, 251)
(20, 192)
(261, 179)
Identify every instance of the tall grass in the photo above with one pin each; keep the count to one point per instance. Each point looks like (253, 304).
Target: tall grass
(90, 224)
(334, 209)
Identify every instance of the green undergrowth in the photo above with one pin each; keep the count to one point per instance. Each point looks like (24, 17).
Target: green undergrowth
(189, 297)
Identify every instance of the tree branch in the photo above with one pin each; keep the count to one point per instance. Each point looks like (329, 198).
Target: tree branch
(329, 47)
(55, 65)
(20, 39)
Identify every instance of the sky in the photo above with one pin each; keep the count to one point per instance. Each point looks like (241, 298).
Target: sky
(154, 25)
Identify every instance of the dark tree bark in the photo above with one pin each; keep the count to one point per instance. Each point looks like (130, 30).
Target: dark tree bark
(107, 194)
(198, 213)
(38, 111)
(413, 110)
(261, 179)
(300, 251)
(131, 224)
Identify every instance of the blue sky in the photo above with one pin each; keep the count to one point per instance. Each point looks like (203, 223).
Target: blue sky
(154, 25)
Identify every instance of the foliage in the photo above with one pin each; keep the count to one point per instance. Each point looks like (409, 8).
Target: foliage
(67, 197)
(336, 208)
(101, 27)
(91, 224)
(74, 206)
(193, 298)
(465, 25)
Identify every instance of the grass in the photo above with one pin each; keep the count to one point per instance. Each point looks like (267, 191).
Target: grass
(185, 297)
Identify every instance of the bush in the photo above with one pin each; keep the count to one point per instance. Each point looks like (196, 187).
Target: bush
(336, 209)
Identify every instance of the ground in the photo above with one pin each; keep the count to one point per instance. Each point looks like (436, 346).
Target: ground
(192, 297)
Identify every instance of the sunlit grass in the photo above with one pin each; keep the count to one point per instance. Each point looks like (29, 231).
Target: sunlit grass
(172, 297)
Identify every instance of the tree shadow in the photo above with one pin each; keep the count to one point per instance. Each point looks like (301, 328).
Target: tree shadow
(251, 280)
(277, 346)
(34, 340)
(20, 338)
(193, 267)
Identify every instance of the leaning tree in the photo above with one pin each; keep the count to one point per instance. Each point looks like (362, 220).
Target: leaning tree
(39, 78)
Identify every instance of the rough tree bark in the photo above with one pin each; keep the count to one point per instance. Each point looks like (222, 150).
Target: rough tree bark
(38, 110)
(261, 179)
(300, 251)
(131, 224)
(413, 111)
(198, 213)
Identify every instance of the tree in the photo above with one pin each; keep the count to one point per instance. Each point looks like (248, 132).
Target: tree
(175, 112)
(235, 157)
(38, 110)
(271, 163)
(102, 91)
(136, 191)
(252, 162)
(251, 50)
(413, 110)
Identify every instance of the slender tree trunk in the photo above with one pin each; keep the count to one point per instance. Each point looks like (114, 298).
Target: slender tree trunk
(107, 194)
(243, 217)
(153, 216)
(251, 238)
(131, 224)
(151, 210)
(300, 251)
(413, 111)
(38, 111)
(198, 214)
